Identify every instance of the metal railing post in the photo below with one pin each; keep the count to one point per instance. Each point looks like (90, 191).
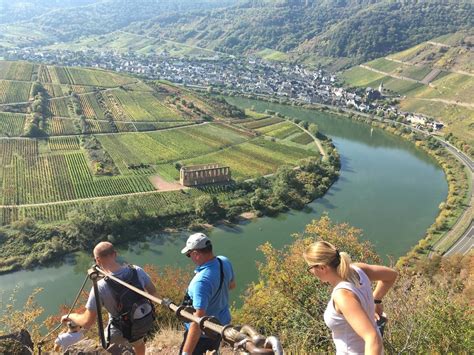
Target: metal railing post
(94, 276)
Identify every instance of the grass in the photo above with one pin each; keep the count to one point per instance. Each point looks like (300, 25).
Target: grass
(384, 65)
(459, 120)
(271, 54)
(358, 76)
(415, 72)
(455, 87)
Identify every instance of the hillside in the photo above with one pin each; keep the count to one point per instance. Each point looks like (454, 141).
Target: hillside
(30, 23)
(434, 78)
(73, 137)
(334, 34)
(330, 33)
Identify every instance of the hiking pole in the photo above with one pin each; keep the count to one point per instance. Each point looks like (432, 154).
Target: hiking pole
(94, 276)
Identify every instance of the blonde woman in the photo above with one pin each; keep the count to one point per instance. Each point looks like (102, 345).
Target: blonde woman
(352, 310)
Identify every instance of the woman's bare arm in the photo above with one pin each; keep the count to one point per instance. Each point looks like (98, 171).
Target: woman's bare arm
(348, 304)
(385, 278)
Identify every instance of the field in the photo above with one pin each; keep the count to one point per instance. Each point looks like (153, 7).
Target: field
(62, 126)
(167, 146)
(139, 106)
(104, 137)
(449, 95)
(19, 71)
(358, 76)
(256, 158)
(80, 76)
(385, 65)
(14, 91)
(11, 124)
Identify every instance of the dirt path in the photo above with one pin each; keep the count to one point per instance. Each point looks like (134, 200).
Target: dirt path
(420, 65)
(162, 185)
(391, 75)
(448, 102)
(316, 140)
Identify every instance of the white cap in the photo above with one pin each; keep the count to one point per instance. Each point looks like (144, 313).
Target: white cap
(196, 241)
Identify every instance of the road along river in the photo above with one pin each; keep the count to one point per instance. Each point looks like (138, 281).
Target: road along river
(387, 187)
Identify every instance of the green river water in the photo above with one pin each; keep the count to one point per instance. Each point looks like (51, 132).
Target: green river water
(387, 187)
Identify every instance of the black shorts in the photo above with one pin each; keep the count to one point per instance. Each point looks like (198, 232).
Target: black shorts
(204, 344)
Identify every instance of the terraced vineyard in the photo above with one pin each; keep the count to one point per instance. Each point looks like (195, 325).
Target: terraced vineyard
(104, 138)
(11, 124)
(434, 78)
(14, 91)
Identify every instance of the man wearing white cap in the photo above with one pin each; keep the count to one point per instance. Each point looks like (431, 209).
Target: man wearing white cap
(207, 293)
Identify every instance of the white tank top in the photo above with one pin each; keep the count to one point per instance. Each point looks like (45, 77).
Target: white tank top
(347, 341)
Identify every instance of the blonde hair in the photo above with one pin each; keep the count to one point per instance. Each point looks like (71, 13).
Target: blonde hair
(324, 253)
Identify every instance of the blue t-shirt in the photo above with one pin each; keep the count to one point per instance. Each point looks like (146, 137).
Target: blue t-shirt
(204, 289)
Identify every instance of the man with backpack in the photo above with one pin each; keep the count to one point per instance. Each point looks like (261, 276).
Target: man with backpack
(131, 315)
(207, 293)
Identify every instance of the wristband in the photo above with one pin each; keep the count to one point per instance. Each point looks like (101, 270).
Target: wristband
(377, 301)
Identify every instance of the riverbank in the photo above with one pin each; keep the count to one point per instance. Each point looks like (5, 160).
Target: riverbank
(458, 201)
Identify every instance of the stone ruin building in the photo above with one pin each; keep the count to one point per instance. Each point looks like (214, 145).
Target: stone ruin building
(204, 174)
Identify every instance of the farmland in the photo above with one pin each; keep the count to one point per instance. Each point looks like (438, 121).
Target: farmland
(11, 124)
(432, 79)
(105, 136)
(14, 91)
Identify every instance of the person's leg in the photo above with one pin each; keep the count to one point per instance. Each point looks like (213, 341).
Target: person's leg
(203, 345)
(206, 344)
(139, 347)
(184, 341)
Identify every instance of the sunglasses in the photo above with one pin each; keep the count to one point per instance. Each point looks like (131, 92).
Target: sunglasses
(188, 254)
(311, 267)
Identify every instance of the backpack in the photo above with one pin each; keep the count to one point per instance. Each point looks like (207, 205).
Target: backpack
(136, 313)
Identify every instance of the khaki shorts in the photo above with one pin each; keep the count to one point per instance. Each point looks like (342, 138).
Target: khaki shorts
(114, 336)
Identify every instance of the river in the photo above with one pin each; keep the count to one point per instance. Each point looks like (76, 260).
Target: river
(388, 188)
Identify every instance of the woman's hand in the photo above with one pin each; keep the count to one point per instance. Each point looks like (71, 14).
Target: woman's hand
(378, 311)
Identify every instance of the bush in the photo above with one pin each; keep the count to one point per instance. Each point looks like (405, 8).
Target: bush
(289, 302)
(428, 311)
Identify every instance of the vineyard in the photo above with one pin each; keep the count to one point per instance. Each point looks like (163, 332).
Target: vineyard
(165, 146)
(29, 177)
(280, 130)
(14, 91)
(82, 77)
(63, 143)
(91, 107)
(59, 107)
(142, 106)
(11, 124)
(103, 137)
(256, 158)
(20, 71)
(62, 126)
(157, 202)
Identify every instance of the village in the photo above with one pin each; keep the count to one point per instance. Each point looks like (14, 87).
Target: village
(250, 76)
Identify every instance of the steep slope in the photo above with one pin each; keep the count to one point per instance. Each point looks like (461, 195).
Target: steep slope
(435, 78)
(318, 32)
